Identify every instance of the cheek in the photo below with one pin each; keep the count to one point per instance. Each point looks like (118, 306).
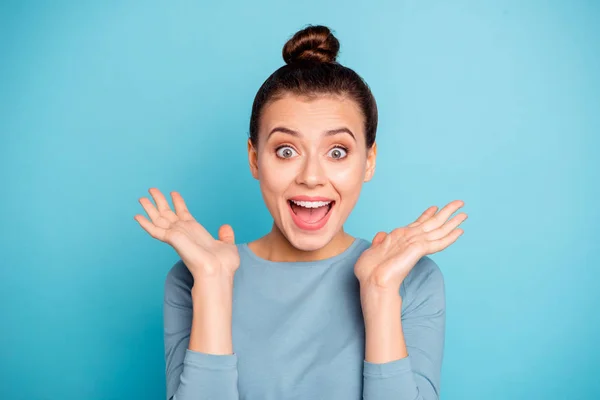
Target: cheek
(273, 177)
(348, 180)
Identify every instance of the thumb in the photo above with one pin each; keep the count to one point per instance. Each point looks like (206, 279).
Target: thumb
(226, 234)
(379, 238)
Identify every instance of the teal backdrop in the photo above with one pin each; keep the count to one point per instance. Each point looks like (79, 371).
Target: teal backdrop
(493, 102)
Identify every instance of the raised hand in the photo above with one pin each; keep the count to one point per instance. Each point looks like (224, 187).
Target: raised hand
(391, 256)
(203, 255)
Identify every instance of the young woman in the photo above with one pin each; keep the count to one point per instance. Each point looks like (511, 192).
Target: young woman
(306, 311)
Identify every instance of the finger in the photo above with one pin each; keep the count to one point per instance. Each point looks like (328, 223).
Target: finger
(226, 234)
(430, 212)
(180, 207)
(442, 216)
(153, 230)
(150, 209)
(161, 202)
(378, 238)
(441, 244)
(446, 228)
(162, 205)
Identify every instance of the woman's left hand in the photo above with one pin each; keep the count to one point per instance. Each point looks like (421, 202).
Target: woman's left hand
(391, 256)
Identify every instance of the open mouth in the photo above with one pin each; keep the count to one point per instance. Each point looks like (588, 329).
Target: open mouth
(309, 214)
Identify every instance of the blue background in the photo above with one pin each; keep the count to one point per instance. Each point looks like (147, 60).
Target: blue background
(496, 103)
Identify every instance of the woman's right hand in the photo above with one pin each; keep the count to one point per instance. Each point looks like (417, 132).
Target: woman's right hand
(204, 256)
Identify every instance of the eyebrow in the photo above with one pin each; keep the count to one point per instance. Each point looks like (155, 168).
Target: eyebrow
(330, 132)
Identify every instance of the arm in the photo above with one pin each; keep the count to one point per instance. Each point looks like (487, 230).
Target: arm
(403, 355)
(200, 363)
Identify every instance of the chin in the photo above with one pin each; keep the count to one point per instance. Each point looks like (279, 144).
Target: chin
(308, 235)
(309, 242)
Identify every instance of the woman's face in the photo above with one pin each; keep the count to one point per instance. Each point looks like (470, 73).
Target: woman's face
(311, 162)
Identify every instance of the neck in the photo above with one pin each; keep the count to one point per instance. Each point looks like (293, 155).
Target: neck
(274, 246)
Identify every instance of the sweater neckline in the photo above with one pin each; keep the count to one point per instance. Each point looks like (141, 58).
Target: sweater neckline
(325, 261)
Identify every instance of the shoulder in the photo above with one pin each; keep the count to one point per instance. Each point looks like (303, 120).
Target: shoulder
(352, 253)
(178, 284)
(424, 283)
(362, 245)
(426, 271)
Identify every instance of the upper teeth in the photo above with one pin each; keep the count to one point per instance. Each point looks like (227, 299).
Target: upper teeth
(311, 204)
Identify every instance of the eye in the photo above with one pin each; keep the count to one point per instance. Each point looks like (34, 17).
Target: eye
(338, 152)
(285, 152)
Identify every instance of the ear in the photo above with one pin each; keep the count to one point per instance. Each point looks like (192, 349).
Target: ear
(253, 159)
(371, 157)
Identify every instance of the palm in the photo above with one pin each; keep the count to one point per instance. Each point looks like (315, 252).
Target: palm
(202, 254)
(391, 256)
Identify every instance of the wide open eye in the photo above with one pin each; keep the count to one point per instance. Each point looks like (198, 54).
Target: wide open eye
(338, 153)
(286, 152)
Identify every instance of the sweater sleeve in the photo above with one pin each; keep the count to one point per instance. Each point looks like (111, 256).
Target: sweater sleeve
(417, 376)
(191, 374)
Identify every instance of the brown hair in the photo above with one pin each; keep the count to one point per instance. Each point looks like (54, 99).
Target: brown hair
(311, 69)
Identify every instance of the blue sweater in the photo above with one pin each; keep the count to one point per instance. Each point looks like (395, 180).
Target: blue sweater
(298, 333)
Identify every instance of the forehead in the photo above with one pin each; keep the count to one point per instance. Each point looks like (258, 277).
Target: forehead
(313, 115)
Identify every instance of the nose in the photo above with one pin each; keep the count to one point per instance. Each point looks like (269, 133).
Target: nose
(312, 173)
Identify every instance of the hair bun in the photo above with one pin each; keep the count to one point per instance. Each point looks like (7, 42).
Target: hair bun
(313, 43)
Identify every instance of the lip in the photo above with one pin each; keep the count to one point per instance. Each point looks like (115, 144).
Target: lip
(305, 225)
(310, 198)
